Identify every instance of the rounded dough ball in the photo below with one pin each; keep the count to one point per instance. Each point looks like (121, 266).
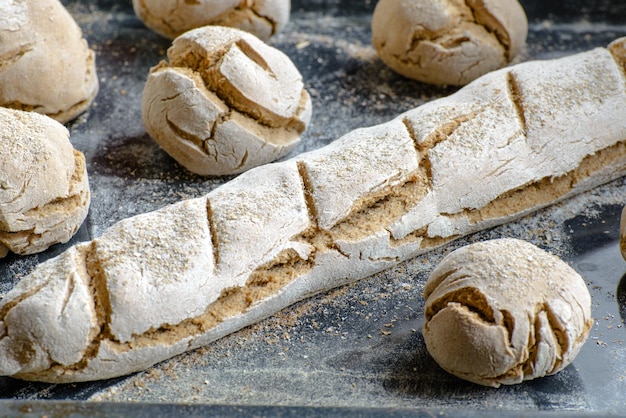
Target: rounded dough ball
(44, 190)
(170, 19)
(225, 102)
(504, 311)
(46, 65)
(448, 41)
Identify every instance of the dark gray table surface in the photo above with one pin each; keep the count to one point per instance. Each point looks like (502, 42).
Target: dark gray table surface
(357, 350)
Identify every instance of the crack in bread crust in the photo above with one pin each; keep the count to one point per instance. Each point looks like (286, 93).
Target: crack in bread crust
(102, 307)
(500, 32)
(549, 190)
(52, 222)
(521, 312)
(264, 282)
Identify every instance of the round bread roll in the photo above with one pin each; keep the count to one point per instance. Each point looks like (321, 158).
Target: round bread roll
(225, 102)
(448, 41)
(170, 19)
(44, 191)
(46, 65)
(504, 311)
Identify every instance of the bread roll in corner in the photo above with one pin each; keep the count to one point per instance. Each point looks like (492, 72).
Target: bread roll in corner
(47, 66)
(504, 311)
(262, 18)
(44, 190)
(448, 41)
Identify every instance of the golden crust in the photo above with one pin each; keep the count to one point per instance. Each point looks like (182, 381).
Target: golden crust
(44, 191)
(47, 66)
(504, 311)
(448, 41)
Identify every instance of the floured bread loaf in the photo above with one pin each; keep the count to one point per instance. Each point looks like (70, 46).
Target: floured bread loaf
(158, 284)
(503, 311)
(44, 192)
(225, 102)
(170, 19)
(45, 64)
(448, 41)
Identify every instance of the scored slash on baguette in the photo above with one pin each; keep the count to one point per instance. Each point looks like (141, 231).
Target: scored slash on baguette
(161, 283)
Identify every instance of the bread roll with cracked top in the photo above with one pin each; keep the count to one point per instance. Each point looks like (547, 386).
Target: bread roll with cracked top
(263, 18)
(448, 41)
(158, 284)
(44, 190)
(46, 65)
(225, 102)
(504, 311)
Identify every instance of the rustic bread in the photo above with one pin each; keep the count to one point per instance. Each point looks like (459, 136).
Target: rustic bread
(46, 65)
(448, 41)
(164, 282)
(263, 18)
(44, 191)
(503, 311)
(225, 102)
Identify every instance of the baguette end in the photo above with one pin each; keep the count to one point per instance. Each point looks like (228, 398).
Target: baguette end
(618, 50)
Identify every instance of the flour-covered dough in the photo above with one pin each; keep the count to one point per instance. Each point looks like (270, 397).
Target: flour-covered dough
(44, 192)
(448, 41)
(504, 311)
(225, 102)
(46, 65)
(263, 18)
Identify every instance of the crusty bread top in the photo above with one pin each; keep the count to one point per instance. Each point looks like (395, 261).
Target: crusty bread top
(225, 102)
(263, 18)
(46, 64)
(44, 190)
(448, 41)
(503, 311)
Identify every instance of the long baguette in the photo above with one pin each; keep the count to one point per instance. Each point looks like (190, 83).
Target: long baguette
(161, 283)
